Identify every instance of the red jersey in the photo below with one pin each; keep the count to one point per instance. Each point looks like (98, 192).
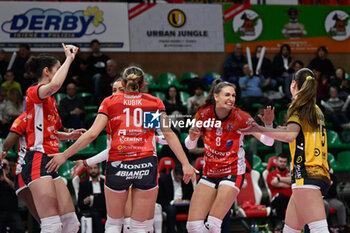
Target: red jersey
(43, 122)
(126, 112)
(285, 191)
(223, 146)
(19, 127)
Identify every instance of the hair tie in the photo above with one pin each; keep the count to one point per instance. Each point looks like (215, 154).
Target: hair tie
(309, 77)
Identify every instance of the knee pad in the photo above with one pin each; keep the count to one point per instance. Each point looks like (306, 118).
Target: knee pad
(287, 229)
(320, 226)
(149, 225)
(138, 227)
(70, 223)
(214, 224)
(51, 224)
(196, 227)
(114, 225)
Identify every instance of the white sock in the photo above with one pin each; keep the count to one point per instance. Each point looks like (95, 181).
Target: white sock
(149, 224)
(158, 219)
(51, 224)
(126, 225)
(320, 226)
(114, 225)
(70, 223)
(287, 229)
(138, 227)
(214, 224)
(196, 227)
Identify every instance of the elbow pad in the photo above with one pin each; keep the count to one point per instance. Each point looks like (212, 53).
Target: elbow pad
(266, 140)
(190, 144)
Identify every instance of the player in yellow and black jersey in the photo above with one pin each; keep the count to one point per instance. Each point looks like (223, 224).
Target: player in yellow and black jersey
(306, 135)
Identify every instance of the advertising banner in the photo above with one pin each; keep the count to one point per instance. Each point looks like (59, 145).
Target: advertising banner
(304, 28)
(45, 25)
(176, 28)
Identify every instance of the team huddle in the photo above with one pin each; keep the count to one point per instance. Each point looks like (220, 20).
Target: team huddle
(131, 169)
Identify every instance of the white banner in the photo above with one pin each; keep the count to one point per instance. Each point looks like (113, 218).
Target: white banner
(45, 25)
(176, 28)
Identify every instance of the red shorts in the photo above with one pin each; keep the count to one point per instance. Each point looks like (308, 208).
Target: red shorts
(34, 167)
(19, 183)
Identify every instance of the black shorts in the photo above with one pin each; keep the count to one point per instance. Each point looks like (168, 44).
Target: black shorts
(235, 181)
(308, 183)
(19, 183)
(34, 167)
(140, 173)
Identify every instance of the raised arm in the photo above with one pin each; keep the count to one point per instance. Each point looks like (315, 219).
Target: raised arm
(55, 84)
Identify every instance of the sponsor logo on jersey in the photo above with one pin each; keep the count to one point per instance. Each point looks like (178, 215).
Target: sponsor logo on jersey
(132, 175)
(229, 143)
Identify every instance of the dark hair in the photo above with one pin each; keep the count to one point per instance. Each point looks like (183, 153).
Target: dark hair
(323, 48)
(216, 87)
(283, 156)
(94, 41)
(24, 45)
(286, 46)
(304, 103)
(133, 77)
(35, 65)
(299, 62)
(177, 97)
(258, 46)
(178, 169)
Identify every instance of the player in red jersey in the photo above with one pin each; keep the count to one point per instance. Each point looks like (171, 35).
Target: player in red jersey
(17, 133)
(224, 167)
(132, 156)
(50, 194)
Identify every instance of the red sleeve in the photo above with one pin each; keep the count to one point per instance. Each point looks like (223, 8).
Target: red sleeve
(269, 178)
(33, 94)
(108, 126)
(246, 119)
(19, 125)
(104, 107)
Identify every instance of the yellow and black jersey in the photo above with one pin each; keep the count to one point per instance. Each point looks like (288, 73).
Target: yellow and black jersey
(309, 151)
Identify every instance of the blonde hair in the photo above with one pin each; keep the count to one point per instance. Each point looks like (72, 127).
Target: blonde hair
(133, 77)
(304, 102)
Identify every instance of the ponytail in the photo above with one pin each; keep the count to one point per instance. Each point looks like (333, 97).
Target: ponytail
(133, 77)
(304, 102)
(36, 65)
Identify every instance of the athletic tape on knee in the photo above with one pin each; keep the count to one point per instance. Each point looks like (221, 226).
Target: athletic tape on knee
(287, 229)
(320, 226)
(196, 227)
(70, 223)
(51, 224)
(114, 225)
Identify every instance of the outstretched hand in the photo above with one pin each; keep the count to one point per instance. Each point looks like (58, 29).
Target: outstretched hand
(55, 163)
(79, 165)
(75, 134)
(254, 128)
(268, 116)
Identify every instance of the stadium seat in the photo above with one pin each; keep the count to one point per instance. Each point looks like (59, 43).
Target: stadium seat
(334, 142)
(160, 95)
(209, 77)
(184, 97)
(88, 151)
(59, 97)
(281, 117)
(166, 163)
(257, 164)
(188, 75)
(268, 156)
(62, 146)
(182, 137)
(151, 82)
(343, 161)
(249, 197)
(90, 117)
(101, 143)
(167, 79)
(91, 108)
(65, 169)
(84, 95)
